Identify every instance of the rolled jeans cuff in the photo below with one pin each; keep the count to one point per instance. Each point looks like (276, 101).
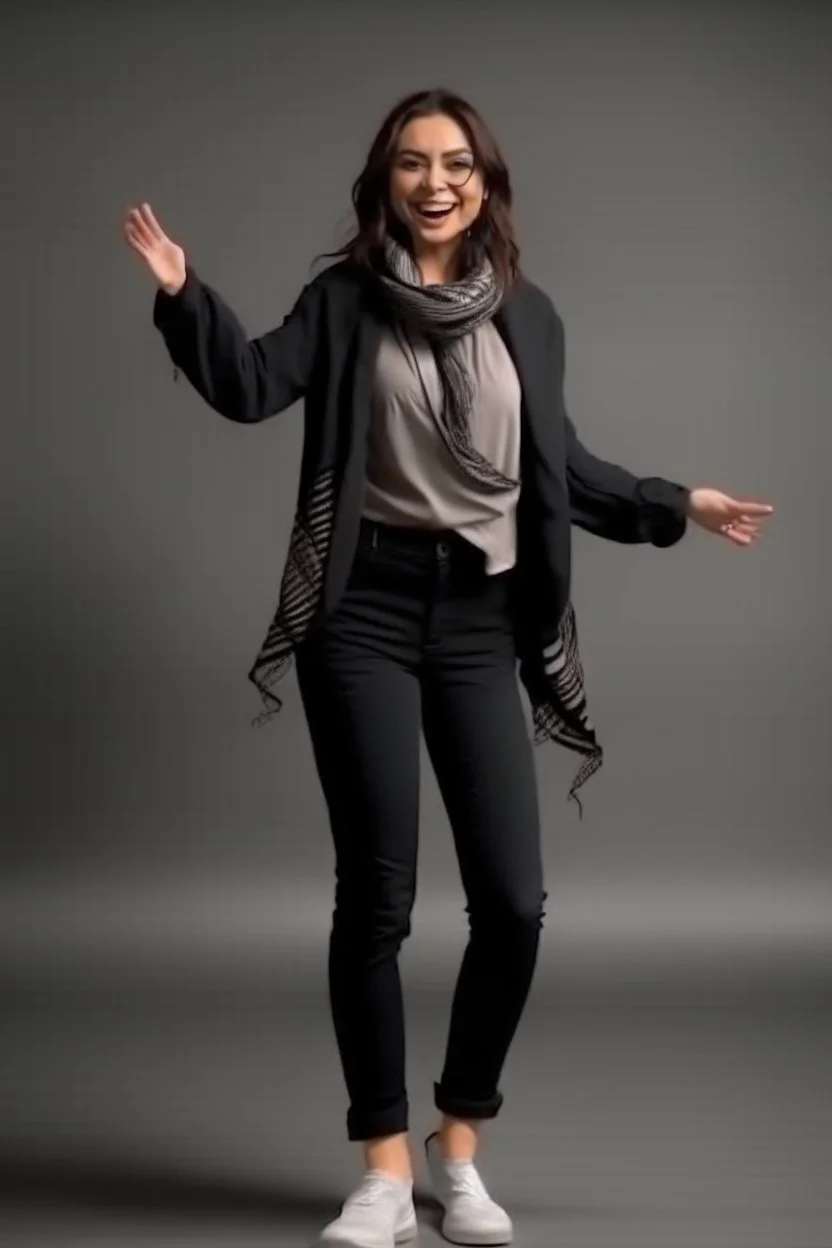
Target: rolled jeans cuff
(372, 1123)
(464, 1107)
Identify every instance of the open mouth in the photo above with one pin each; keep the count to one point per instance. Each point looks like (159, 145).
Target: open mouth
(434, 215)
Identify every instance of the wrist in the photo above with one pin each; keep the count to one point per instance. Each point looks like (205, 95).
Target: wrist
(173, 288)
(690, 501)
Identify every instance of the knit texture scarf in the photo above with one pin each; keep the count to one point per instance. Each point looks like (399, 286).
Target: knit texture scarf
(442, 314)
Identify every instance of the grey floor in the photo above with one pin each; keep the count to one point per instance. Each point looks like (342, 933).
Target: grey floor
(678, 1113)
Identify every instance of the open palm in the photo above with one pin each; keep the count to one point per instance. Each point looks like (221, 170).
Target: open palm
(735, 518)
(164, 257)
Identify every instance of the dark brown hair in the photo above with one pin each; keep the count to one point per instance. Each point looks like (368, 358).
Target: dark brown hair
(494, 226)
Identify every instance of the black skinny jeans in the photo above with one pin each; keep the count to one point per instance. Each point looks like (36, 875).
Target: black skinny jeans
(423, 637)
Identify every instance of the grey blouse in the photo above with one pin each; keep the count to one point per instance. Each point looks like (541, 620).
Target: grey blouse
(412, 477)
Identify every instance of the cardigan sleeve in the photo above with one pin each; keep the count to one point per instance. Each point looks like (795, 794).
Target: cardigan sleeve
(612, 502)
(245, 380)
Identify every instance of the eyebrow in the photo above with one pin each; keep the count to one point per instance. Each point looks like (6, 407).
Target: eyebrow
(454, 151)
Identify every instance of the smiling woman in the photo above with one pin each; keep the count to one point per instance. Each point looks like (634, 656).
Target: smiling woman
(437, 191)
(430, 554)
(436, 182)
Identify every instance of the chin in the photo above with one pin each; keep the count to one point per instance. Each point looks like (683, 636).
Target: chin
(437, 236)
(446, 234)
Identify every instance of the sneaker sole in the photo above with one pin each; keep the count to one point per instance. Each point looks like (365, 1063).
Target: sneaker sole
(402, 1236)
(486, 1240)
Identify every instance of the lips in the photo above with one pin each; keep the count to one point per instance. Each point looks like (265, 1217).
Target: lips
(433, 214)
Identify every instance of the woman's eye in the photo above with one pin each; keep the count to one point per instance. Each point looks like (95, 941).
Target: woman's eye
(458, 166)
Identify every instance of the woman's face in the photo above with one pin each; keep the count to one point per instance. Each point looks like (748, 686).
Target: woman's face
(433, 168)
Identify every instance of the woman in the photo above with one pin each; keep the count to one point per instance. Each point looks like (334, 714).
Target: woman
(430, 553)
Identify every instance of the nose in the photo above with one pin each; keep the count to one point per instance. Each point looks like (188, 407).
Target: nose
(435, 177)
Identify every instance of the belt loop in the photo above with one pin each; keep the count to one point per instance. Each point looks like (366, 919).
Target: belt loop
(374, 540)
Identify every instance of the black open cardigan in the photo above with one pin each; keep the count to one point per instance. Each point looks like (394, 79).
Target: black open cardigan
(324, 352)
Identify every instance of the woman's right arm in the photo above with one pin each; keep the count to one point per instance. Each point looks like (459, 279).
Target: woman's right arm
(244, 380)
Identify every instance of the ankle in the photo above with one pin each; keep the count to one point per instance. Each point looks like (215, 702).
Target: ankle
(391, 1155)
(458, 1139)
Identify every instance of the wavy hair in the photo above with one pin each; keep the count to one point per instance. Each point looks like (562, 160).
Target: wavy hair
(374, 217)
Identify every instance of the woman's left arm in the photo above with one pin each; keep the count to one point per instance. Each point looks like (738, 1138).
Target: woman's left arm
(611, 502)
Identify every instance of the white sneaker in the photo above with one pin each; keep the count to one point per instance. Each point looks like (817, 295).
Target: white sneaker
(471, 1216)
(378, 1214)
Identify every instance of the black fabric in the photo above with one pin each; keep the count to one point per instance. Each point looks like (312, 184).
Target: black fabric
(424, 639)
(324, 353)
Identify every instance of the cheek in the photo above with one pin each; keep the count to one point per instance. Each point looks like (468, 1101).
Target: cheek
(400, 189)
(472, 204)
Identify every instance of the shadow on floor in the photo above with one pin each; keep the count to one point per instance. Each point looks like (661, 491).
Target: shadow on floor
(35, 1179)
(135, 1184)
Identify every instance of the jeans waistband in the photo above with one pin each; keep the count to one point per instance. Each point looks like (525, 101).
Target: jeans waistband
(431, 545)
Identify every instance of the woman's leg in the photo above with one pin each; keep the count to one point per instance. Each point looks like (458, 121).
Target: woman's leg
(482, 753)
(361, 699)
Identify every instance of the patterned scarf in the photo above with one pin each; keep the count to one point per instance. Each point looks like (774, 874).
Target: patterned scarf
(442, 314)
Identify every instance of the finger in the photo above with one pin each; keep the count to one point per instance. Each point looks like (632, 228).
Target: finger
(734, 530)
(154, 227)
(134, 240)
(754, 509)
(140, 226)
(740, 539)
(744, 537)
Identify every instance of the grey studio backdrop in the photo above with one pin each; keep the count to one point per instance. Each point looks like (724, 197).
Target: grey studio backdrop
(671, 166)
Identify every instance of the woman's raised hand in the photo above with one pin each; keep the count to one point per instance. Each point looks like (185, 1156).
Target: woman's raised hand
(164, 257)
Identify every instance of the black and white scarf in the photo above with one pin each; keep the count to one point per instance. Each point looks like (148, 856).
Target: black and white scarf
(442, 314)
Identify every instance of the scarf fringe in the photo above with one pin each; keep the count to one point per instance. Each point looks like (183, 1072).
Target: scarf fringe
(550, 726)
(300, 591)
(555, 684)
